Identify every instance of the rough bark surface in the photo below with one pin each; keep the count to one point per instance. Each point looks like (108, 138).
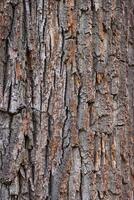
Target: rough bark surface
(66, 99)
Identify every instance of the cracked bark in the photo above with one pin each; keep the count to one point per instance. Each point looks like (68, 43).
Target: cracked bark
(66, 100)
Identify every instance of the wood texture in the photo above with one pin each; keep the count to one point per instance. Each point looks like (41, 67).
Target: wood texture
(66, 99)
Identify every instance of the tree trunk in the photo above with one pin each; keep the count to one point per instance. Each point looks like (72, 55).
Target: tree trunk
(66, 99)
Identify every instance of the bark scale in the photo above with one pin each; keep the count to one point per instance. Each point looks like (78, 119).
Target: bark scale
(66, 99)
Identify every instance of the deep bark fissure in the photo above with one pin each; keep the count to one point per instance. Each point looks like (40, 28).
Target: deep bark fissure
(62, 50)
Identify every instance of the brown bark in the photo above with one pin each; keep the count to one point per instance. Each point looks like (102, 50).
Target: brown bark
(66, 99)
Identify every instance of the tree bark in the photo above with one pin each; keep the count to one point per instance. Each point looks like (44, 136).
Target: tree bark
(66, 100)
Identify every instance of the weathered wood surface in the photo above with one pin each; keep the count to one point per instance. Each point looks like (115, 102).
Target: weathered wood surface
(66, 99)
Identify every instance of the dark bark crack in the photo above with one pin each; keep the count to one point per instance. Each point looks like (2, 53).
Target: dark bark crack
(62, 50)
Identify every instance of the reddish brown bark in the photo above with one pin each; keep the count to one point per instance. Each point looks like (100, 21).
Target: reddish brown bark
(66, 99)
